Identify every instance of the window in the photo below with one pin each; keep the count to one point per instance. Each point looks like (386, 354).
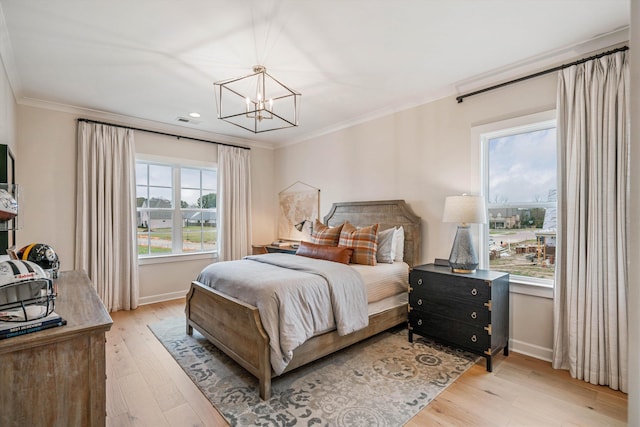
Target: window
(519, 183)
(176, 209)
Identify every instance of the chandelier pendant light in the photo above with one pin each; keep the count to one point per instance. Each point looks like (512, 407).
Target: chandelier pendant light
(257, 102)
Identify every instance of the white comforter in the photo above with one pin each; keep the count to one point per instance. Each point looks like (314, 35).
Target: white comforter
(297, 297)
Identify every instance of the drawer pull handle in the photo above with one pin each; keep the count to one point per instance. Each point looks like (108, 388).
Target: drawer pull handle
(420, 301)
(474, 291)
(419, 281)
(474, 338)
(419, 322)
(474, 315)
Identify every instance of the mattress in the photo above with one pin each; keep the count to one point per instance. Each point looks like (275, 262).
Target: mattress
(384, 280)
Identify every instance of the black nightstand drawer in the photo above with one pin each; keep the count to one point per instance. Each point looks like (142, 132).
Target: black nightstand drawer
(469, 336)
(441, 287)
(463, 312)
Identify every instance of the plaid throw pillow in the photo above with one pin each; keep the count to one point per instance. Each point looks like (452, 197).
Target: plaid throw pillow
(363, 241)
(323, 235)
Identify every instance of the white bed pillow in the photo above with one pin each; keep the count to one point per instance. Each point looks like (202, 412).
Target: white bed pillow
(398, 236)
(386, 246)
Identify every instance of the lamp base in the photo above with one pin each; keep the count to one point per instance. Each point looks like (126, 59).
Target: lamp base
(463, 258)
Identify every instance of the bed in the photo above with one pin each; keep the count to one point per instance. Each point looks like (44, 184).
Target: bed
(235, 327)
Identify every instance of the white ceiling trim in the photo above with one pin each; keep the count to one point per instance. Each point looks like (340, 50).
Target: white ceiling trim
(547, 60)
(119, 119)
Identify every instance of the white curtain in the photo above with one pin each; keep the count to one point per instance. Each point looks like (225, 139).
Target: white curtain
(590, 303)
(234, 203)
(106, 213)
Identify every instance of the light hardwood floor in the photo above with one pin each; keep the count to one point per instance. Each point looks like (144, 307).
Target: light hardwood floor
(146, 387)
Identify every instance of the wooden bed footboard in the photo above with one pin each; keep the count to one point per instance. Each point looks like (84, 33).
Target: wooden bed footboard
(234, 327)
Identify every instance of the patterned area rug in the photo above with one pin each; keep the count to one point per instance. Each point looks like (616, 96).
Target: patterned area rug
(383, 381)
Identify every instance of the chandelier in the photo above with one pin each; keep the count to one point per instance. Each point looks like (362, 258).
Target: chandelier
(257, 102)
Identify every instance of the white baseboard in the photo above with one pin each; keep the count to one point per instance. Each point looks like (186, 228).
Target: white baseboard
(161, 298)
(532, 350)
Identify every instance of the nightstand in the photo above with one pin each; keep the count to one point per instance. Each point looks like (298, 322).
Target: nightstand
(470, 311)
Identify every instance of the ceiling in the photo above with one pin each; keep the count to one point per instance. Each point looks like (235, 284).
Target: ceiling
(352, 60)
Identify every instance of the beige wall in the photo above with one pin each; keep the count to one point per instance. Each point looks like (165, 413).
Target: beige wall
(46, 165)
(422, 155)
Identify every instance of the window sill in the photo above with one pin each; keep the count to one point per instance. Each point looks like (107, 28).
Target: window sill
(530, 288)
(162, 259)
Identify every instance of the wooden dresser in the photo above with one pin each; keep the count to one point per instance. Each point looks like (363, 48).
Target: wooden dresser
(470, 311)
(56, 377)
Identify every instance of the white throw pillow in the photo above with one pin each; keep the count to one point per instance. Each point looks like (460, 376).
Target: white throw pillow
(386, 246)
(399, 239)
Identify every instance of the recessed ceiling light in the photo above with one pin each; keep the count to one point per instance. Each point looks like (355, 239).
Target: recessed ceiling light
(194, 115)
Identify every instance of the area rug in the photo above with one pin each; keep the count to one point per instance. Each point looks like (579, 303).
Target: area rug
(383, 381)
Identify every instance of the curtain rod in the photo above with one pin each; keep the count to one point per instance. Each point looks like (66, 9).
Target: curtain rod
(540, 73)
(162, 133)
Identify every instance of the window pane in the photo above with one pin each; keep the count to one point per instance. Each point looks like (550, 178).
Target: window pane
(522, 173)
(160, 197)
(189, 198)
(209, 237)
(191, 238)
(141, 195)
(209, 179)
(160, 232)
(190, 178)
(208, 200)
(141, 174)
(522, 167)
(143, 241)
(520, 244)
(160, 175)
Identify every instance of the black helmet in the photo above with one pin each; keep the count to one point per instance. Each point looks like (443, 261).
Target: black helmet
(43, 255)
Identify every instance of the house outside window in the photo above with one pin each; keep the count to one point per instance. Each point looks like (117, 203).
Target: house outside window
(176, 209)
(519, 182)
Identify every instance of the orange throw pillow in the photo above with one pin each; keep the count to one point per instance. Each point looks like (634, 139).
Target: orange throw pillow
(363, 241)
(324, 235)
(329, 253)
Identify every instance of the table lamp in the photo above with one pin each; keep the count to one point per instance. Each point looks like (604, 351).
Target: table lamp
(464, 210)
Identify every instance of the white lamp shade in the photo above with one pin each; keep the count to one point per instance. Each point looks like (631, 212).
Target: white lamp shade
(465, 209)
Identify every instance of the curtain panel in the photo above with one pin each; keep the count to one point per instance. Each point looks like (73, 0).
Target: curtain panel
(234, 203)
(590, 302)
(106, 213)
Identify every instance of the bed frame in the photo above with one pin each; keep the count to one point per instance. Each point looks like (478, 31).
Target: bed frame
(235, 327)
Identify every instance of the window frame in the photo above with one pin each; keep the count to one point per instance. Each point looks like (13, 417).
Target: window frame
(480, 136)
(176, 166)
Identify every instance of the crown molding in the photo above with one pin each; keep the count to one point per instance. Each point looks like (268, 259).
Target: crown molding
(545, 60)
(140, 122)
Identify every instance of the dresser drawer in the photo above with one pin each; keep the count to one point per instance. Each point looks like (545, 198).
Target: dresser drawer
(440, 287)
(461, 311)
(470, 336)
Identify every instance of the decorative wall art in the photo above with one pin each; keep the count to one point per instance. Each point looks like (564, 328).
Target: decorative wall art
(298, 203)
